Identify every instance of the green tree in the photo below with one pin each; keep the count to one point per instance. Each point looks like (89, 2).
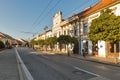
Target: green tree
(53, 41)
(66, 39)
(2, 45)
(74, 40)
(41, 43)
(106, 27)
(33, 42)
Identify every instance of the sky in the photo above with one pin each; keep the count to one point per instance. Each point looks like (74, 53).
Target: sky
(23, 18)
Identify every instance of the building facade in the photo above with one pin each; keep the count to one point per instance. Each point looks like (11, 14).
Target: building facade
(86, 18)
(78, 26)
(56, 29)
(7, 40)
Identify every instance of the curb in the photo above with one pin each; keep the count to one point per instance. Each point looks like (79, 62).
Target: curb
(86, 59)
(96, 61)
(23, 71)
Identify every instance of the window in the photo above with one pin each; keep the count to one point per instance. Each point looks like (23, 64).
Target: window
(85, 28)
(75, 31)
(112, 47)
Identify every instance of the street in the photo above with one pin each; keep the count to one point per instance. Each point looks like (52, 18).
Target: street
(57, 67)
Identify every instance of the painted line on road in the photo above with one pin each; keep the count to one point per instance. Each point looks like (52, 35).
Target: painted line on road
(44, 56)
(25, 73)
(39, 54)
(86, 71)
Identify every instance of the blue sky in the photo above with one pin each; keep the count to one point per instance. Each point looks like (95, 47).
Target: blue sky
(19, 16)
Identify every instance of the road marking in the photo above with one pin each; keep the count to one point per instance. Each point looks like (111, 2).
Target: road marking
(39, 54)
(86, 71)
(24, 69)
(44, 56)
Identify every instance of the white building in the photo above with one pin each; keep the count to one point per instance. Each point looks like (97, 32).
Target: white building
(48, 34)
(56, 29)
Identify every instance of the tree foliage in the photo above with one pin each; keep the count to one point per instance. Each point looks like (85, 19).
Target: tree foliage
(2, 45)
(41, 42)
(74, 40)
(64, 39)
(106, 27)
(51, 41)
(33, 42)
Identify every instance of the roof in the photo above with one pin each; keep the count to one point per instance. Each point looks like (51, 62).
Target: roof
(22, 40)
(3, 35)
(101, 4)
(18, 41)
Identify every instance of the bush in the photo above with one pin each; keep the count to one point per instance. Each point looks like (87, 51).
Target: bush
(2, 45)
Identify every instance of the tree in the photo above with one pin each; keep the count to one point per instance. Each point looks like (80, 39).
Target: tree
(51, 41)
(106, 27)
(2, 45)
(66, 39)
(74, 40)
(41, 43)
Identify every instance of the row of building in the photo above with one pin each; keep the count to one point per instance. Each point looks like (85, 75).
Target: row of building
(78, 26)
(10, 41)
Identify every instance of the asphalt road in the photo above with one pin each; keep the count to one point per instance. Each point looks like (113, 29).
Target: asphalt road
(57, 67)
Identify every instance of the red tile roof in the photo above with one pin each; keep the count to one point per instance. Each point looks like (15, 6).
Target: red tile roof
(98, 6)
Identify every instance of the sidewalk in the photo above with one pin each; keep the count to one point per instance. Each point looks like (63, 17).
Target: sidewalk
(102, 60)
(8, 65)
